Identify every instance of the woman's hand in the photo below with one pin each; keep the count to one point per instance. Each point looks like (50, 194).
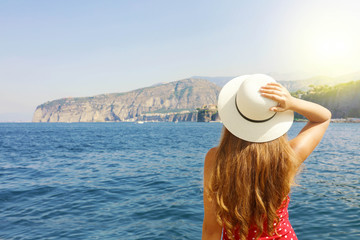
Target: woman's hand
(275, 91)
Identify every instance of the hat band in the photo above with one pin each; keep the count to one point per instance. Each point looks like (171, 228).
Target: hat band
(252, 120)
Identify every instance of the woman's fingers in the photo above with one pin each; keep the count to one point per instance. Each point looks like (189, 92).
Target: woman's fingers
(272, 96)
(271, 91)
(271, 87)
(277, 96)
(274, 84)
(278, 93)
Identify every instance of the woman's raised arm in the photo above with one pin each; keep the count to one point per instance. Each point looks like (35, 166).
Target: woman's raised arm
(319, 118)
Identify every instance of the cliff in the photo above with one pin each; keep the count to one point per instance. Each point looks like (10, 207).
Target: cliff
(174, 101)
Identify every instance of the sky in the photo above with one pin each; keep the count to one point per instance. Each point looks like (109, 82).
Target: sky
(57, 49)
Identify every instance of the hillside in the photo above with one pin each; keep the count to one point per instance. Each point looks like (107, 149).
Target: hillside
(343, 100)
(294, 85)
(180, 97)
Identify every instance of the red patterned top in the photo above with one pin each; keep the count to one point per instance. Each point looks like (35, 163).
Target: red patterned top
(284, 228)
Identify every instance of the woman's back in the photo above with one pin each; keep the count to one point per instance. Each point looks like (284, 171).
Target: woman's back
(250, 182)
(284, 230)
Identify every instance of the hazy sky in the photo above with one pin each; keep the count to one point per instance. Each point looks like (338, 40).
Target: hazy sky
(56, 49)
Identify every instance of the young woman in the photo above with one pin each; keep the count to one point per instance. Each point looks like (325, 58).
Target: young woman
(248, 176)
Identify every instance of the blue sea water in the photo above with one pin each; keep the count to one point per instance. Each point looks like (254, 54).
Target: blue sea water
(144, 181)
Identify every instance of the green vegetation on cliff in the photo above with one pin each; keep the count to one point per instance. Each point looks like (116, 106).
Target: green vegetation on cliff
(343, 100)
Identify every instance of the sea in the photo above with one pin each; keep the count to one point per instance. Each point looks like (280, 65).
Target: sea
(144, 181)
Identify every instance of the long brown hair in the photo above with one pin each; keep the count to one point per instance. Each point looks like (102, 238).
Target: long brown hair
(250, 182)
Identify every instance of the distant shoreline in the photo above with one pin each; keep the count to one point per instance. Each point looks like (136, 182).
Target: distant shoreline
(345, 120)
(334, 120)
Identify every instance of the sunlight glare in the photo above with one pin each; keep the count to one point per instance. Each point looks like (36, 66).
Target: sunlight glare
(332, 48)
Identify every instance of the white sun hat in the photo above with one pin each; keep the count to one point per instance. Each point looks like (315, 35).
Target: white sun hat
(245, 113)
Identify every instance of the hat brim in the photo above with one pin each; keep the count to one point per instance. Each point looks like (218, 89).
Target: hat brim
(244, 129)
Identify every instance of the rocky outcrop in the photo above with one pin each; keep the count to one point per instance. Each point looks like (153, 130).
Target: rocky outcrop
(174, 101)
(208, 113)
(184, 116)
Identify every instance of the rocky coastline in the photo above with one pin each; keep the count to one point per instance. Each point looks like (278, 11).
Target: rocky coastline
(345, 120)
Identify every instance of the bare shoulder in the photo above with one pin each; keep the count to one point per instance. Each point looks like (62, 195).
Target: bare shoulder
(210, 157)
(209, 164)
